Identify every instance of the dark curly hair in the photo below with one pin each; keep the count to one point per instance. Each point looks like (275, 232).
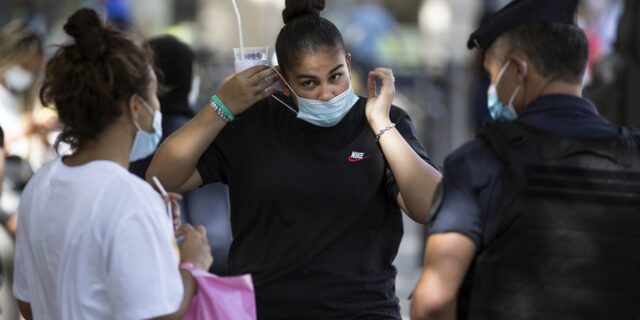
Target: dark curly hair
(90, 80)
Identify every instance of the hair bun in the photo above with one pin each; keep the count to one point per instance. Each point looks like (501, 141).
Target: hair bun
(85, 26)
(299, 8)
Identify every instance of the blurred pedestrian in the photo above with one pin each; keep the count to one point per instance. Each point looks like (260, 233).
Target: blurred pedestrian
(614, 87)
(21, 55)
(8, 304)
(21, 58)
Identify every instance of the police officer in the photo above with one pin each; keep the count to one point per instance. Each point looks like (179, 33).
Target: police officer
(538, 217)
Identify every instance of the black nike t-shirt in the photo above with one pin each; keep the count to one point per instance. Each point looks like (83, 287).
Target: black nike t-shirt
(313, 212)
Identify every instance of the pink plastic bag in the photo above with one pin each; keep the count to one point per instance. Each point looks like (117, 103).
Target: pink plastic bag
(221, 298)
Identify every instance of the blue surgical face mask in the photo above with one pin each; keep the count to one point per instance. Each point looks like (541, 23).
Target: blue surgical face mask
(145, 143)
(497, 110)
(324, 113)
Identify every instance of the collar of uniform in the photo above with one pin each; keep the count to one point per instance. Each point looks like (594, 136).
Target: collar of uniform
(556, 102)
(568, 115)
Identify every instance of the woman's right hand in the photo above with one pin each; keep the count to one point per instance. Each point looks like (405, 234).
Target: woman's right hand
(239, 91)
(195, 249)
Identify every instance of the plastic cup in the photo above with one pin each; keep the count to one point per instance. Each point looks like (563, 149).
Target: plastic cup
(253, 56)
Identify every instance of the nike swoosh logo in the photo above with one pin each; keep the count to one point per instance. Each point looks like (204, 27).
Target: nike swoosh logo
(354, 160)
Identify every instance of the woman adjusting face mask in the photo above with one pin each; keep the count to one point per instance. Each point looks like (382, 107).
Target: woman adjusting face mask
(338, 167)
(324, 113)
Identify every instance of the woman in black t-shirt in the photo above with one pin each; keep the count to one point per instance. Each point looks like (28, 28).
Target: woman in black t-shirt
(316, 186)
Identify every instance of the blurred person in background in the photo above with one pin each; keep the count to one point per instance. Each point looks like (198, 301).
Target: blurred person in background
(316, 184)
(26, 124)
(616, 78)
(94, 241)
(21, 59)
(8, 304)
(209, 205)
(3, 215)
(21, 56)
(366, 27)
(119, 14)
(599, 19)
(1, 167)
(537, 217)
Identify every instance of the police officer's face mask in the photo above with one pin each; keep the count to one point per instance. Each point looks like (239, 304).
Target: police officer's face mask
(497, 110)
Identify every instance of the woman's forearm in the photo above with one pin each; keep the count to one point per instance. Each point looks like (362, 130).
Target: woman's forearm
(176, 158)
(416, 179)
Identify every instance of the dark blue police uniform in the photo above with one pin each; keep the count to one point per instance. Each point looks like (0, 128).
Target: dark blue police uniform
(551, 200)
(471, 190)
(469, 197)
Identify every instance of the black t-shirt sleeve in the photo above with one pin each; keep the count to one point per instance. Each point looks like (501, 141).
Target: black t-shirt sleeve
(211, 165)
(404, 125)
(234, 137)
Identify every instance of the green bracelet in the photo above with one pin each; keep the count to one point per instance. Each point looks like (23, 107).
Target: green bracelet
(217, 110)
(224, 108)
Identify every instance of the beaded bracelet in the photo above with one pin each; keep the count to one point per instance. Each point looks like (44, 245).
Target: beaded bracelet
(382, 131)
(221, 109)
(218, 111)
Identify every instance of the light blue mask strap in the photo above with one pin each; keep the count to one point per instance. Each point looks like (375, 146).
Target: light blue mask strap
(288, 86)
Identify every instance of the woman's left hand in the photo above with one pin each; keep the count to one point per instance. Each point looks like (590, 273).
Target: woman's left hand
(379, 105)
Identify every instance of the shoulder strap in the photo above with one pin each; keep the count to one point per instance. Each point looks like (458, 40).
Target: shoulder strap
(505, 138)
(509, 141)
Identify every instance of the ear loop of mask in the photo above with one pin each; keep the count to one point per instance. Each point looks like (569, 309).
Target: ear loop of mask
(149, 109)
(513, 96)
(515, 92)
(502, 71)
(288, 86)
